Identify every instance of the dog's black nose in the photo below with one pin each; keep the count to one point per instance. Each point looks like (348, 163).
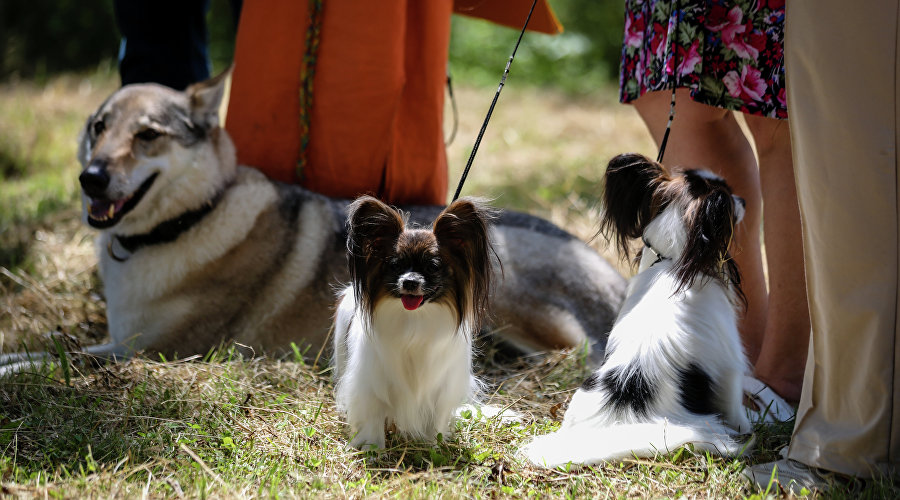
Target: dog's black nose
(411, 282)
(94, 179)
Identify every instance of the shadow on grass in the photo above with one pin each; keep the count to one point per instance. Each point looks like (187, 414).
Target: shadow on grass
(62, 428)
(15, 244)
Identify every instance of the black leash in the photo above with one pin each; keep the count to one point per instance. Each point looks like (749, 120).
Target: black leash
(674, 51)
(662, 145)
(453, 106)
(487, 118)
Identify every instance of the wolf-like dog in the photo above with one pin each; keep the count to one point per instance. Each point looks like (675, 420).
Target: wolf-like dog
(197, 252)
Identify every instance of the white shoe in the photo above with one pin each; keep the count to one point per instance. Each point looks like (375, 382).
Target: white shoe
(792, 477)
(766, 406)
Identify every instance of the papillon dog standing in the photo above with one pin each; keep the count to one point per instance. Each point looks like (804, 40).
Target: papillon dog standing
(404, 327)
(674, 362)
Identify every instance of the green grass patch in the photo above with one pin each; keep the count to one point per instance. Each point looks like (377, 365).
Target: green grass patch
(39, 125)
(27, 203)
(266, 428)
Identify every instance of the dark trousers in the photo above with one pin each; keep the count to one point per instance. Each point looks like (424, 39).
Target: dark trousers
(164, 41)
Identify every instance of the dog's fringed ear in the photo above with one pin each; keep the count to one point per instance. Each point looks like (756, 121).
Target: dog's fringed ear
(372, 230)
(710, 223)
(629, 198)
(462, 232)
(205, 98)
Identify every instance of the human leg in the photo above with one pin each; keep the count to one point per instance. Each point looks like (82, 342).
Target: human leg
(782, 356)
(163, 41)
(708, 137)
(842, 91)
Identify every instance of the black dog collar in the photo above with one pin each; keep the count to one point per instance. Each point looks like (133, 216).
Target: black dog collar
(166, 232)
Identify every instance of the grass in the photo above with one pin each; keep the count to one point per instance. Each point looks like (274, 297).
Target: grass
(225, 427)
(38, 127)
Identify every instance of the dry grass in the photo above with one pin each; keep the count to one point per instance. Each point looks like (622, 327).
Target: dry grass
(47, 265)
(59, 292)
(232, 428)
(237, 429)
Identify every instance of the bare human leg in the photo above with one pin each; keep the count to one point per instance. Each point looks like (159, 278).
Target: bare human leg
(783, 353)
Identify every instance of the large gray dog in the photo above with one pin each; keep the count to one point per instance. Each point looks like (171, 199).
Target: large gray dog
(195, 251)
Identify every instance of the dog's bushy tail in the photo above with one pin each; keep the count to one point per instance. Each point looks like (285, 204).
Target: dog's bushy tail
(585, 444)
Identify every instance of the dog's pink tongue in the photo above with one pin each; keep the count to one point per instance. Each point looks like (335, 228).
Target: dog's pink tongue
(411, 302)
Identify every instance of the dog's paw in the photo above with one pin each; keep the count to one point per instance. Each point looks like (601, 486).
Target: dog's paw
(366, 442)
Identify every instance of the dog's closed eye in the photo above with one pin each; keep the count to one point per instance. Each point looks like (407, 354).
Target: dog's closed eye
(148, 134)
(98, 128)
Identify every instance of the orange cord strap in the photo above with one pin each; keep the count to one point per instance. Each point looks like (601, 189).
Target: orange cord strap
(307, 75)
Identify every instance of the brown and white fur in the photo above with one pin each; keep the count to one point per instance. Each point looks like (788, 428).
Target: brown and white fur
(405, 325)
(199, 252)
(674, 366)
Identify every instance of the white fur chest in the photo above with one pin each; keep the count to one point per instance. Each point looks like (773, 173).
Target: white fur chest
(420, 355)
(413, 369)
(139, 289)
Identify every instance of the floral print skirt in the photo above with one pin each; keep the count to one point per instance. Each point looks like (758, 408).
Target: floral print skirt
(729, 53)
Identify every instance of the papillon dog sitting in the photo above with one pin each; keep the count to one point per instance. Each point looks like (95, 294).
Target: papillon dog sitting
(404, 327)
(674, 362)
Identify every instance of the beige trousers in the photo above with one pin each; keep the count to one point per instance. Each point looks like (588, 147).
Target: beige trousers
(842, 70)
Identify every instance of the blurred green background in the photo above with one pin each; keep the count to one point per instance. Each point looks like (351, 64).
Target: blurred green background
(41, 38)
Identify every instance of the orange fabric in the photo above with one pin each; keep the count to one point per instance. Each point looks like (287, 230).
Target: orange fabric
(512, 13)
(378, 96)
(264, 103)
(376, 123)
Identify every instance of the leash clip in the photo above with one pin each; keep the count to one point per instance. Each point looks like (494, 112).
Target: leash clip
(647, 246)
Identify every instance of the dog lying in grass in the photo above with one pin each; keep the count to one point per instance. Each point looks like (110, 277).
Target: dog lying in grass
(196, 252)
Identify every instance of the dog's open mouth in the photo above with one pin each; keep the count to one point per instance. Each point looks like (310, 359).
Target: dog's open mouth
(103, 213)
(412, 302)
